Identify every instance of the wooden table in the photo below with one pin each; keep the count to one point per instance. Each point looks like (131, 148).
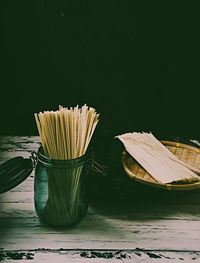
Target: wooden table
(112, 231)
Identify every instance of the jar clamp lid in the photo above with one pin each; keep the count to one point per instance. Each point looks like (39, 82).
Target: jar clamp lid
(15, 171)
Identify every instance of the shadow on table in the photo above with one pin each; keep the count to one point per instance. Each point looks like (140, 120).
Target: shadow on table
(125, 196)
(5, 220)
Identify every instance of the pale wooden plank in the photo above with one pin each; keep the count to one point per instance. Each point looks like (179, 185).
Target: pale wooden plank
(101, 231)
(12, 146)
(172, 212)
(101, 256)
(173, 226)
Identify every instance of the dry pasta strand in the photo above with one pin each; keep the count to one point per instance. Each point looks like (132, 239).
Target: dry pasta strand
(66, 133)
(156, 159)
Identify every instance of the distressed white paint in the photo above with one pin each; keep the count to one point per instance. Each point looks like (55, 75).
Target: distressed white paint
(172, 230)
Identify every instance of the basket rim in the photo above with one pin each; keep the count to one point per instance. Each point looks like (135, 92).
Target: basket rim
(177, 187)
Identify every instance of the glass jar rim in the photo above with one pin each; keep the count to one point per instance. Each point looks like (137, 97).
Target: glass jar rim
(60, 163)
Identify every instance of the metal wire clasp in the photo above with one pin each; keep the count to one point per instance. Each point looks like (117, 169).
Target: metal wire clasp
(99, 168)
(33, 158)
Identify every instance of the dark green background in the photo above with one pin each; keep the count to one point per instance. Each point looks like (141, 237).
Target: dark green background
(136, 62)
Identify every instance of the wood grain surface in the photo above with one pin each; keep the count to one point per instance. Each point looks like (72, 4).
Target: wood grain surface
(111, 231)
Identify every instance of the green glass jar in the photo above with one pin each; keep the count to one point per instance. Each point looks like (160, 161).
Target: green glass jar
(60, 190)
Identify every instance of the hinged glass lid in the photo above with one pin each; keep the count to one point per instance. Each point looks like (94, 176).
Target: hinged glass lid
(15, 171)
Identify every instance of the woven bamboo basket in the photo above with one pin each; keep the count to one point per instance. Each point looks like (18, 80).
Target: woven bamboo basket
(186, 152)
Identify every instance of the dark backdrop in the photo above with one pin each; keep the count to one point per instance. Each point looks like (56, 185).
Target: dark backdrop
(136, 62)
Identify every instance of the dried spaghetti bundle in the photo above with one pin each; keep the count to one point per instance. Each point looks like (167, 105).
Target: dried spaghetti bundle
(156, 159)
(65, 135)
